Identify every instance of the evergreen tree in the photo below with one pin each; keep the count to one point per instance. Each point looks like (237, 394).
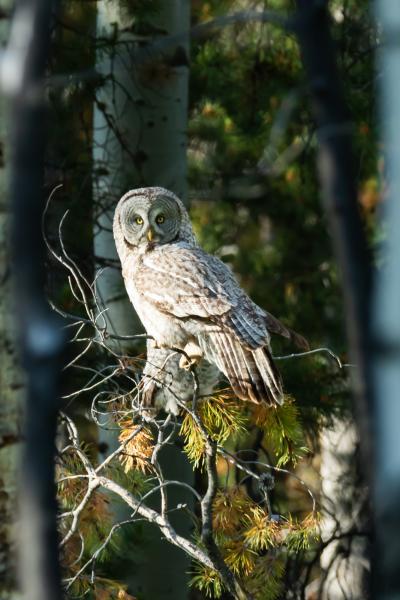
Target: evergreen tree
(254, 202)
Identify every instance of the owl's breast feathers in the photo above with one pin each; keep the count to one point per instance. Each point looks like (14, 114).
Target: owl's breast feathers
(191, 293)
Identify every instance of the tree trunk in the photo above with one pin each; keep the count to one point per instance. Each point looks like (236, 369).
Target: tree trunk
(140, 126)
(386, 317)
(40, 334)
(11, 379)
(339, 192)
(344, 499)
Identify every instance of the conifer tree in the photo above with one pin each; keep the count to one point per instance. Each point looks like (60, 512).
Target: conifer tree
(254, 200)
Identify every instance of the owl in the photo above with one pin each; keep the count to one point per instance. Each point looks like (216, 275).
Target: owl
(189, 301)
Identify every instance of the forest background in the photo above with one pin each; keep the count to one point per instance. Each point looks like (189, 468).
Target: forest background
(223, 118)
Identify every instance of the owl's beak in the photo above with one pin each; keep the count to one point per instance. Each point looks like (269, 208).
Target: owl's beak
(150, 234)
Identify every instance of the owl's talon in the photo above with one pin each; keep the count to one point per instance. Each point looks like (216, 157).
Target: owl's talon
(153, 343)
(187, 362)
(192, 356)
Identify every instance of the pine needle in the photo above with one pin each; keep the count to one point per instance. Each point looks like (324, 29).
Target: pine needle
(262, 532)
(283, 430)
(208, 581)
(229, 509)
(138, 450)
(222, 417)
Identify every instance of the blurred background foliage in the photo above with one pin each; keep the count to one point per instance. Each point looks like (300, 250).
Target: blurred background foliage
(256, 204)
(253, 191)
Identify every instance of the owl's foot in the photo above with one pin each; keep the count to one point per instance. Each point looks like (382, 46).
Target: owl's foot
(187, 363)
(153, 344)
(193, 355)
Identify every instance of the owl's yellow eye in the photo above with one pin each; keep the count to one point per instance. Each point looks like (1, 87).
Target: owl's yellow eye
(139, 220)
(160, 219)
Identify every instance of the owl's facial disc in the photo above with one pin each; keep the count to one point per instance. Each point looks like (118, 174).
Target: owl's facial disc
(149, 221)
(133, 221)
(164, 219)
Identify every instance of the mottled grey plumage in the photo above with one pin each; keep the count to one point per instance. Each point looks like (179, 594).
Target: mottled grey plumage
(165, 384)
(190, 300)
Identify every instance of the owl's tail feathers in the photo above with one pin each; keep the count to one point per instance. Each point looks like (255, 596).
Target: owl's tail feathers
(251, 373)
(275, 326)
(299, 341)
(270, 376)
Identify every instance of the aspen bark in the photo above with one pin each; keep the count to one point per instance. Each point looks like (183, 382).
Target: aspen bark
(140, 123)
(344, 498)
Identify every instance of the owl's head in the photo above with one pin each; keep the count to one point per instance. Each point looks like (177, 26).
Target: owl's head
(147, 217)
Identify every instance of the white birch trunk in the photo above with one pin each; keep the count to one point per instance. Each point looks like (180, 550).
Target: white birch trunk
(147, 101)
(344, 563)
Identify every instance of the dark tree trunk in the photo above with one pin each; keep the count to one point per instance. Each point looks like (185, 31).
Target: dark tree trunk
(339, 192)
(41, 338)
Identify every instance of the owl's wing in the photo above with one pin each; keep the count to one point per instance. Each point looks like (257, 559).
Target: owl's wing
(277, 327)
(189, 282)
(193, 284)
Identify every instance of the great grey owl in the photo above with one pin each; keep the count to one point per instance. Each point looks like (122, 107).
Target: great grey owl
(190, 300)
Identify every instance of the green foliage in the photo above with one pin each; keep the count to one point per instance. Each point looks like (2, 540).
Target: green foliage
(208, 581)
(302, 536)
(284, 434)
(267, 579)
(264, 584)
(254, 545)
(221, 416)
(140, 12)
(134, 479)
(271, 228)
(262, 531)
(259, 210)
